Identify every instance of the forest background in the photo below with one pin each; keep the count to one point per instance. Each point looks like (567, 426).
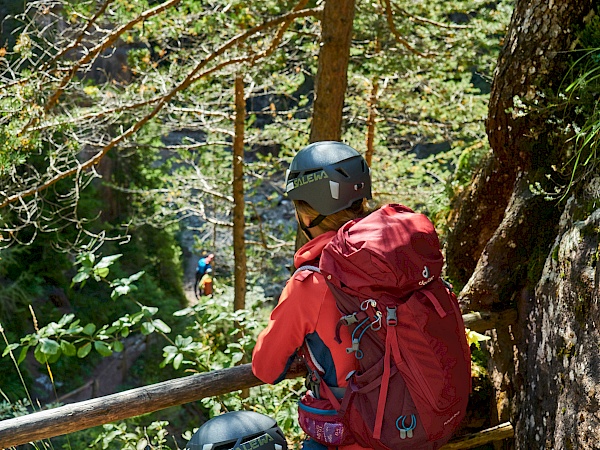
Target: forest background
(136, 135)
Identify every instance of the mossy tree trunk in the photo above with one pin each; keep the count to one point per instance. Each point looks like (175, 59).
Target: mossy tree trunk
(514, 250)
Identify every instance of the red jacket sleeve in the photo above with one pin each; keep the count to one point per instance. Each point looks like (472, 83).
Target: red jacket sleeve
(293, 318)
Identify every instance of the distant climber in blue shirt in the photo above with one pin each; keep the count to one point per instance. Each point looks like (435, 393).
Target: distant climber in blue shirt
(203, 264)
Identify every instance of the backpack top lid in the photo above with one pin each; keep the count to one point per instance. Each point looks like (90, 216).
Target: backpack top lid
(386, 255)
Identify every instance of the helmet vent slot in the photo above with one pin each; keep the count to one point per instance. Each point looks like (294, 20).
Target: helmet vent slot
(342, 171)
(308, 172)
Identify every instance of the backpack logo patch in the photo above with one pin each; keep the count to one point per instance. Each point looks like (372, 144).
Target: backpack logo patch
(428, 279)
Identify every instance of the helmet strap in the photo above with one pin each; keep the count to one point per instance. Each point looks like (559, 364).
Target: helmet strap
(316, 221)
(313, 223)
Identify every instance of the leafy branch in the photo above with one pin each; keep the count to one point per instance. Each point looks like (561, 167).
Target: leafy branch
(192, 77)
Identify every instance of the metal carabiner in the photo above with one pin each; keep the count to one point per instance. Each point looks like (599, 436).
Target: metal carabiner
(376, 324)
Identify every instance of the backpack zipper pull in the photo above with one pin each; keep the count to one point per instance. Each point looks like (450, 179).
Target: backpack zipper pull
(406, 431)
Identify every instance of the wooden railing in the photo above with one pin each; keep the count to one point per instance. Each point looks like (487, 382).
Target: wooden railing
(110, 408)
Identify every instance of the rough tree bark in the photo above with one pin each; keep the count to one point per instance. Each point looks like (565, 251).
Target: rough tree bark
(332, 73)
(532, 59)
(332, 77)
(557, 395)
(513, 253)
(239, 247)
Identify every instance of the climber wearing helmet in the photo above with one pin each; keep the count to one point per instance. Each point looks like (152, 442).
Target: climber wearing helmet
(329, 183)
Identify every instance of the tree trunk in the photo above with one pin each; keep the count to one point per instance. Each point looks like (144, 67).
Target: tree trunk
(372, 120)
(531, 62)
(332, 76)
(509, 247)
(239, 247)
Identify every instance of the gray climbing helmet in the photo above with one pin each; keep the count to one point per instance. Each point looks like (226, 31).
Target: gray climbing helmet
(238, 430)
(329, 176)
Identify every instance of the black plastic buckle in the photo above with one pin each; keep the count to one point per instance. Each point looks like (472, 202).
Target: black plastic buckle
(391, 317)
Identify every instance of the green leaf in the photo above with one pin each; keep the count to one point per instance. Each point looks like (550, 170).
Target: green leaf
(23, 355)
(89, 329)
(102, 272)
(149, 311)
(169, 349)
(75, 329)
(67, 348)
(80, 277)
(136, 276)
(184, 312)
(161, 326)
(119, 290)
(49, 346)
(135, 318)
(177, 361)
(40, 356)
(102, 348)
(9, 348)
(86, 259)
(181, 341)
(117, 346)
(236, 357)
(147, 328)
(107, 261)
(67, 318)
(53, 358)
(84, 350)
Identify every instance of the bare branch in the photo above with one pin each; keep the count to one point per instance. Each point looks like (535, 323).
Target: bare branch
(79, 38)
(429, 21)
(279, 36)
(89, 56)
(193, 76)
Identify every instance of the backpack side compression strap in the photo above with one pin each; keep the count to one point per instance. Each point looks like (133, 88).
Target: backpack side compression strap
(391, 350)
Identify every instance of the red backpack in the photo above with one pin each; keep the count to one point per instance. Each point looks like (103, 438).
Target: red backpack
(414, 378)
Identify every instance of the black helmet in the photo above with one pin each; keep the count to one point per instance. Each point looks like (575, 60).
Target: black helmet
(329, 176)
(238, 430)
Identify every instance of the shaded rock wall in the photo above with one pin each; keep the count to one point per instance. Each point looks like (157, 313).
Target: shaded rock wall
(556, 381)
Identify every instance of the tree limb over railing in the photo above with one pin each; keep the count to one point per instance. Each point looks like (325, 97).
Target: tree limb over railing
(110, 408)
(135, 402)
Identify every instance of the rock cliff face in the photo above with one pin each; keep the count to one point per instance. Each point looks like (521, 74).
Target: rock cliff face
(545, 365)
(557, 405)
